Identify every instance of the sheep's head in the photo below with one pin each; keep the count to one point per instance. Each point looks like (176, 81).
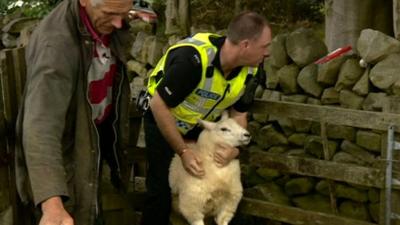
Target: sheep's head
(227, 130)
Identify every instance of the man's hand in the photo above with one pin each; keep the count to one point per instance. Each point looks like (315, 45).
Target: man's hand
(54, 213)
(224, 154)
(192, 163)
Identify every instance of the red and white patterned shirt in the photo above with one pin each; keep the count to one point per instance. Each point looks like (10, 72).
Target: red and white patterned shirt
(101, 73)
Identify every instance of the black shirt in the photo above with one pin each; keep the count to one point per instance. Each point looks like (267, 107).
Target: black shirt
(183, 73)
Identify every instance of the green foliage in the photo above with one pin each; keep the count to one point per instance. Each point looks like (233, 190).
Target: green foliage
(310, 10)
(28, 8)
(3, 6)
(283, 12)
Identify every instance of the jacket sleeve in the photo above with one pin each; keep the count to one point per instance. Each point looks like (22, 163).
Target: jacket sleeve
(49, 87)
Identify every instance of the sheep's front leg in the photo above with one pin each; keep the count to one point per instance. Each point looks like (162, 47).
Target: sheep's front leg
(228, 208)
(191, 207)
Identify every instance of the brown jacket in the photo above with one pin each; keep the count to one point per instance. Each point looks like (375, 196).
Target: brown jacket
(57, 152)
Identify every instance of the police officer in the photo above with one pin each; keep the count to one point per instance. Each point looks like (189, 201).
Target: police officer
(198, 78)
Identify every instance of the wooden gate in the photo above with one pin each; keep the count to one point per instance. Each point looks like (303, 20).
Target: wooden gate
(332, 171)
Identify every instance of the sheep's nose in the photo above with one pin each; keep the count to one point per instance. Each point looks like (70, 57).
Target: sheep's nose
(247, 135)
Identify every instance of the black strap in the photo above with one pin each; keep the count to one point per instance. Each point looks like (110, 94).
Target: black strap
(210, 71)
(158, 76)
(248, 78)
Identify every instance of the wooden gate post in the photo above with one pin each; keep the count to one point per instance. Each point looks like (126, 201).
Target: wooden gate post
(12, 77)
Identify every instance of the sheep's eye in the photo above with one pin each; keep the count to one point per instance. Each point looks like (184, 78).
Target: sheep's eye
(224, 129)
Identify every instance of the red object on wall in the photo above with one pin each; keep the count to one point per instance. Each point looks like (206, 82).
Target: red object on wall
(338, 52)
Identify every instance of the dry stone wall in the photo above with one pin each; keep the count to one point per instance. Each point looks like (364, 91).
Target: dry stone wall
(362, 80)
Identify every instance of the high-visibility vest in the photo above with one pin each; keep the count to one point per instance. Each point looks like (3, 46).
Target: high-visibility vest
(213, 93)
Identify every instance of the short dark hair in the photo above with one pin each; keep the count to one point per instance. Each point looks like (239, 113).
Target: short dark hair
(246, 25)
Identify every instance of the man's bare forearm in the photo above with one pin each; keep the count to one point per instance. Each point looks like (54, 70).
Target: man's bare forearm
(240, 117)
(167, 123)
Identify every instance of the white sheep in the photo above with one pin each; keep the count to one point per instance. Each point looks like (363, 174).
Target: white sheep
(219, 192)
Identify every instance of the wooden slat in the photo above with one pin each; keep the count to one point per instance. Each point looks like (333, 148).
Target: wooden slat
(395, 206)
(19, 69)
(4, 159)
(8, 88)
(136, 154)
(3, 128)
(331, 183)
(370, 177)
(293, 215)
(13, 76)
(114, 201)
(137, 200)
(331, 115)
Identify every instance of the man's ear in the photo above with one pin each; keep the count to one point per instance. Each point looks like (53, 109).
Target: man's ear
(244, 43)
(83, 2)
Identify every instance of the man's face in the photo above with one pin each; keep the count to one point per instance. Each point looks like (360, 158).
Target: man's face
(257, 49)
(107, 16)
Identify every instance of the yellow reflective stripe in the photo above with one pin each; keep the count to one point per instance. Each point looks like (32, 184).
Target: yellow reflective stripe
(194, 107)
(184, 127)
(211, 53)
(206, 86)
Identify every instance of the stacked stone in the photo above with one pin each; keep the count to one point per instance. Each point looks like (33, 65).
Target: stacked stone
(16, 32)
(146, 50)
(364, 80)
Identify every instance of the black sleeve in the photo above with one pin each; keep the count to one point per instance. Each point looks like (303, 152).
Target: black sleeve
(245, 102)
(182, 75)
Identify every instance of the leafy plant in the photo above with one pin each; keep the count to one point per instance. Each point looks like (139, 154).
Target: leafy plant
(29, 8)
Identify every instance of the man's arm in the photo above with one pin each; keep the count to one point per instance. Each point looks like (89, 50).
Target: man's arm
(182, 74)
(54, 213)
(240, 117)
(49, 89)
(167, 125)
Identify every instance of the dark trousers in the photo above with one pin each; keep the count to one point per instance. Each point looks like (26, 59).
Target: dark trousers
(159, 155)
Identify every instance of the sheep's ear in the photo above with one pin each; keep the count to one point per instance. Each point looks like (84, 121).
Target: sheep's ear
(225, 115)
(206, 124)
